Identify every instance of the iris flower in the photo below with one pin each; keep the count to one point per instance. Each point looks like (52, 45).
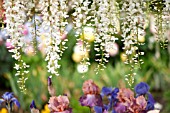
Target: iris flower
(33, 107)
(91, 95)
(142, 88)
(59, 104)
(9, 99)
(51, 89)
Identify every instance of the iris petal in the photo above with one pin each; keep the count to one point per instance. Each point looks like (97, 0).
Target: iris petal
(1, 101)
(16, 102)
(32, 105)
(98, 109)
(91, 100)
(106, 91)
(150, 98)
(7, 96)
(150, 103)
(141, 88)
(113, 111)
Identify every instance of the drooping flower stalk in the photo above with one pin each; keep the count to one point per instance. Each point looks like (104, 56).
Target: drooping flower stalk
(132, 28)
(81, 17)
(160, 9)
(105, 18)
(54, 22)
(15, 18)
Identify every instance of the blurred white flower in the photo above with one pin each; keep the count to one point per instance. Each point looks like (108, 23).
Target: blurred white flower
(112, 48)
(82, 68)
(88, 34)
(158, 106)
(154, 111)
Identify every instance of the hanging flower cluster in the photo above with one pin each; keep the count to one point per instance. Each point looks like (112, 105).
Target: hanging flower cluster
(80, 18)
(105, 18)
(15, 18)
(54, 23)
(160, 9)
(132, 28)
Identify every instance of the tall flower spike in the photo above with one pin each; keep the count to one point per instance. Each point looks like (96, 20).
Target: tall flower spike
(51, 89)
(15, 18)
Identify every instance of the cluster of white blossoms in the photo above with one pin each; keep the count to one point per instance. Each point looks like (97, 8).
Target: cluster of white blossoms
(103, 15)
(54, 24)
(161, 11)
(80, 18)
(105, 18)
(15, 18)
(132, 28)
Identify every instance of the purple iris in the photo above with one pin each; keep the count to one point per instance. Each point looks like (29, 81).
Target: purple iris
(106, 91)
(99, 109)
(141, 89)
(9, 100)
(114, 94)
(120, 108)
(91, 95)
(49, 81)
(150, 103)
(51, 89)
(32, 105)
(111, 94)
(91, 100)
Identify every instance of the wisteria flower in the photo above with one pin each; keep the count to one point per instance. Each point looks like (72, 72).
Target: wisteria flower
(141, 88)
(9, 45)
(9, 100)
(59, 104)
(91, 95)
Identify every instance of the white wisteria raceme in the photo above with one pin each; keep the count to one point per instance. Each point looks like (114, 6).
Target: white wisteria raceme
(80, 18)
(54, 22)
(132, 28)
(161, 10)
(105, 18)
(15, 18)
